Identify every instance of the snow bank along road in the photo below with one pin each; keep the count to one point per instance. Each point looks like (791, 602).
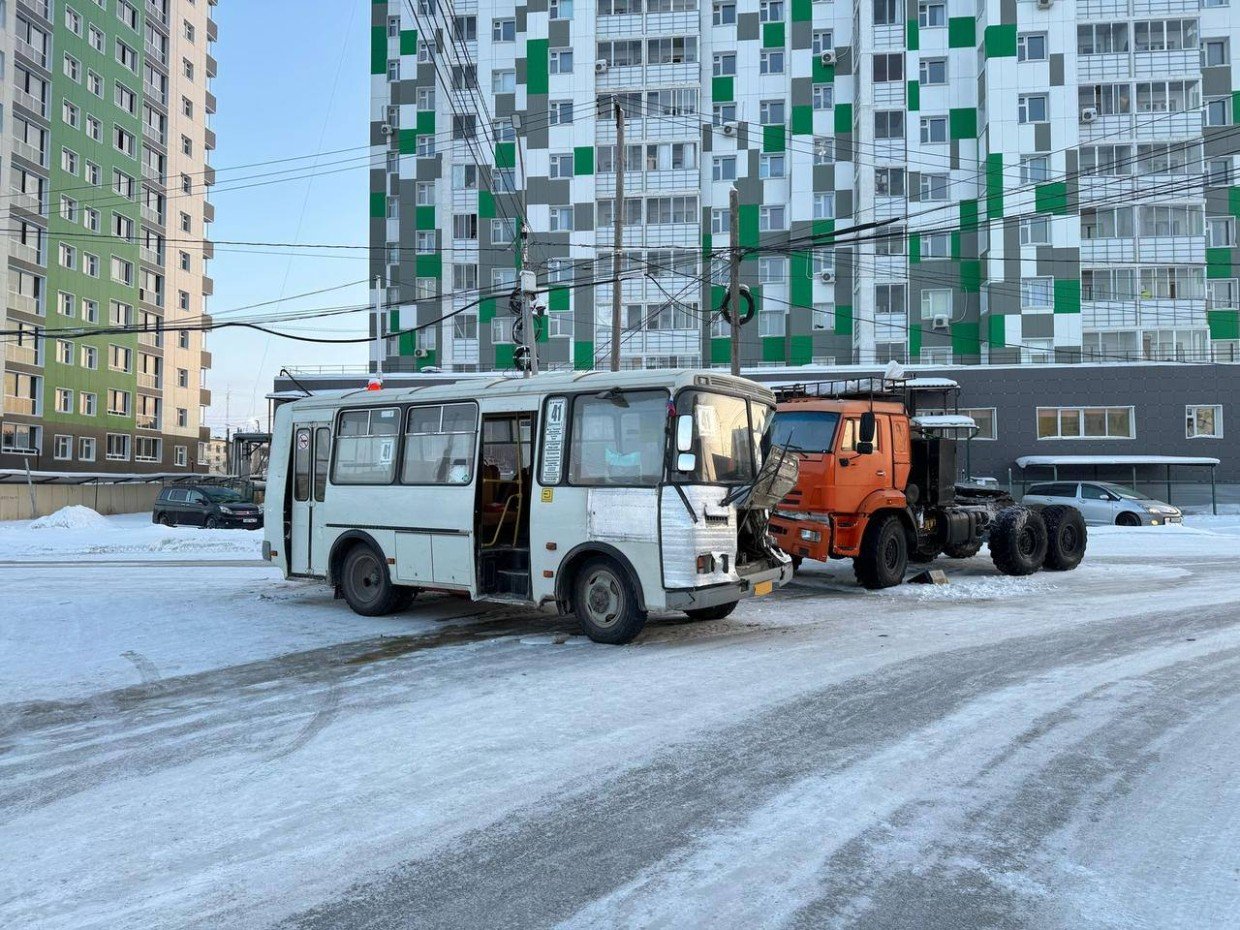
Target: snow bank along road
(204, 747)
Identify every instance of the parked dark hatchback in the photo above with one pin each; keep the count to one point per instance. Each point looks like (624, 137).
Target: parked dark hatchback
(206, 506)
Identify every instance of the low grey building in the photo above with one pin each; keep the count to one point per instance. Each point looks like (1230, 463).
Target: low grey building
(1102, 411)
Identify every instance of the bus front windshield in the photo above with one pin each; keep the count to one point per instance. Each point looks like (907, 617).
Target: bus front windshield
(727, 432)
(804, 431)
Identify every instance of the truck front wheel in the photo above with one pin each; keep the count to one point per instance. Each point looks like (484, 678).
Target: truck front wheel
(1018, 541)
(884, 553)
(606, 603)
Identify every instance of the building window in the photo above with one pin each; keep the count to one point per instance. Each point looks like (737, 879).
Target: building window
(771, 61)
(1086, 423)
(771, 166)
(822, 40)
(889, 298)
(180, 456)
(1035, 231)
(933, 71)
(723, 168)
(771, 11)
(62, 448)
(1034, 169)
(1031, 108)
(934, 186)
(1031, 46)
(889, 124)
(117, 447)
(504, 30)
(936, 302)
(888, 12)
(933, 130)
(772, 218)
(888, 67)
(560, 60)
(560, 112)
(824, 206)
(505, 81)
(86, 449)
(823, 318)
(936, 245)
(560, 9)
(771, 112)
(932, 14)
(561, 219)
(823, 96)
(723, 13)
(1204, 422)
(889, 182)
(1037, 293)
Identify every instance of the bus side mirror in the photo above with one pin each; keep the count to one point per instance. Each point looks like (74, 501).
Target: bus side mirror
(684, 436)
(686, 462)
(865, 434)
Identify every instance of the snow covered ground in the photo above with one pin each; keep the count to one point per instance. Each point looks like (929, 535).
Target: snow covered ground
(187, 740)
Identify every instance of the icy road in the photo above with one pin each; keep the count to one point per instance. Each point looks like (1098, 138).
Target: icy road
(191, 742)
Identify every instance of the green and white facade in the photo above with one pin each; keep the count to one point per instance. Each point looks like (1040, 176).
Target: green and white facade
(104, 157)
(938, 182)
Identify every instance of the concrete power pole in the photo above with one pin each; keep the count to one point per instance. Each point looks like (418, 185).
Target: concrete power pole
(380, 326)
(616, 258)
(734, 276)
(529, 290)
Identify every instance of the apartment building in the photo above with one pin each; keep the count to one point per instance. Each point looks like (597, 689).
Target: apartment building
(943, 182)
(104, 154)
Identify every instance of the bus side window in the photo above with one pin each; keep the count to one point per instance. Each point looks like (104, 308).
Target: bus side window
(322, 458)
(301, 465)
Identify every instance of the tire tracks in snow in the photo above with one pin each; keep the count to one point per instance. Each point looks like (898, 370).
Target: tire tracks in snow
(557, 858)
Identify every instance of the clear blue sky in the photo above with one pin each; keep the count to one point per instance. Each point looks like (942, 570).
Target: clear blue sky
(293, 80)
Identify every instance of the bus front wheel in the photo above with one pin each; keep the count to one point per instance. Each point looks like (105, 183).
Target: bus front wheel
(367, 584)
(605, 603)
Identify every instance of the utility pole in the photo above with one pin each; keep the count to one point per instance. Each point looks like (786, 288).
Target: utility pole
(734, 276)
(380, 325)
(529, 290)
(616, 258)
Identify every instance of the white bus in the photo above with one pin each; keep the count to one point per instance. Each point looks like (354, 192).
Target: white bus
(599, 493)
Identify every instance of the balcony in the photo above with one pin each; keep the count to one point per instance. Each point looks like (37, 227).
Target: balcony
(159, 54)
(30, 102)
(1105, 251)
(1159, 7)
(208, 250)
(23, 304)
(146, 421)
(1164, 313)
(150, 173)
(1172, 249)
(1158, 126)
(40, 8)
(208, 140)
(30, 52)
(208, 286)
(152, 134)
(210, 103)
(1108, 314)
(25, 406)
(27, 253)
(212, 67)
(1103, 68)
(30, 153)
(150, 256)
(28, 202)
(1102, 10)
(152, 339)
(22, 354)
(149, 382)
(620, 26)
(152, 216)
(155, 93)
(213, 31)
(208, 176)
(156, 12)
(614, 77)
(1166, 64)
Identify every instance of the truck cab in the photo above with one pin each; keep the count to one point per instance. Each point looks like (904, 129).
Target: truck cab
(841, 483)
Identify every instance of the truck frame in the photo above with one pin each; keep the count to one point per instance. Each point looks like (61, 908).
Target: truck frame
(878, 484)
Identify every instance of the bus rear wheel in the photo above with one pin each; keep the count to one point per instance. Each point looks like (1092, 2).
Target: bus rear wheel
(367, 585)
(605, 603)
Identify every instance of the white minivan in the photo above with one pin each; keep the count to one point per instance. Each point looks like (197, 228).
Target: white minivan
(607, 494)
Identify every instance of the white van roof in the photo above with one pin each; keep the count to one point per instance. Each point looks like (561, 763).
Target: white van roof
(550, 383)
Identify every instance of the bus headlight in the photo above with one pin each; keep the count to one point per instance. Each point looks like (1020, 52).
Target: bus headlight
(705, 564)
(811, 536)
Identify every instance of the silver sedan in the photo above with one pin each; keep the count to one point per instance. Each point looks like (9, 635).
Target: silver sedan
(1101, 502)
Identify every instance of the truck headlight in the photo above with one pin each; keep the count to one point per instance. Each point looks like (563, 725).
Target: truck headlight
(811, 536)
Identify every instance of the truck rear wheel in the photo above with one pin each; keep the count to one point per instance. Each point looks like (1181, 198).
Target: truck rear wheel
(964, 550)
(884, 553)
(1066, 537)
(718, 612)
(926, 552)
(606, 603)
(367, 585)
(1018, 541)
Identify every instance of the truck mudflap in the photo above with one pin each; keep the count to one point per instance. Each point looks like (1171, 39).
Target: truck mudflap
(755, 584)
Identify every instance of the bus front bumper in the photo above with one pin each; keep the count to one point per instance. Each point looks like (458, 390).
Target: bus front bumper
(755, 585)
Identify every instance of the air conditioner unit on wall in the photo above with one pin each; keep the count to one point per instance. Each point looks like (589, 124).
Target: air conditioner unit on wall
(1089, 114)
(827, 57)
(940, 321)
(729, 129)
(421, 353)
(386, 129)
(1045, 4)
(601, 66)
(827, 277)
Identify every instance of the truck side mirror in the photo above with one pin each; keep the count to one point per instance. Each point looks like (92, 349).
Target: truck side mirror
(865, 434)
(684, 436)
(686, 462)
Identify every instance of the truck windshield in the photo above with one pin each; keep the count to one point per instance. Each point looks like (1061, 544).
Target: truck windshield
(804, 431)
(726, 435)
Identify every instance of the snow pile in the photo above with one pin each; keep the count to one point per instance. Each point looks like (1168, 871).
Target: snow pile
(73, 517)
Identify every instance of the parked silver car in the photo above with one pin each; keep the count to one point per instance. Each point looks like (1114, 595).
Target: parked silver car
(1101, 502)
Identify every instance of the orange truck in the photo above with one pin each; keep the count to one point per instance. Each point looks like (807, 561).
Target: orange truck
(877, 484)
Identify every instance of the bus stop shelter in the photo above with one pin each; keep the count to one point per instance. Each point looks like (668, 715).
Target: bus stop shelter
(1160, 463)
